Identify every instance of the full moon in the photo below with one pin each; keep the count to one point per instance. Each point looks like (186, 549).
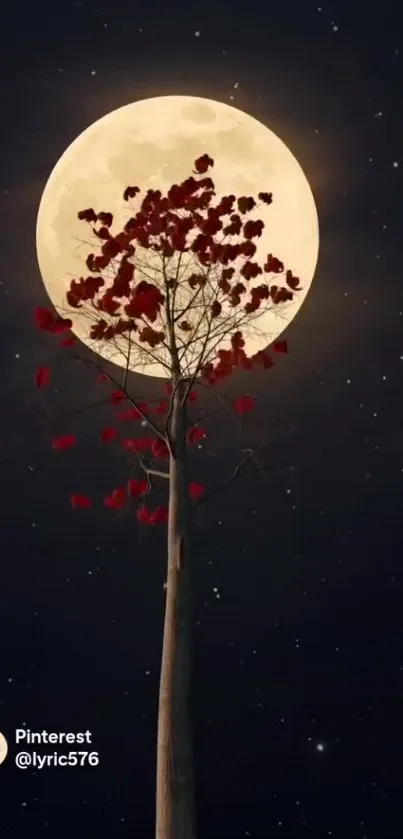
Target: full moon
(153, 143)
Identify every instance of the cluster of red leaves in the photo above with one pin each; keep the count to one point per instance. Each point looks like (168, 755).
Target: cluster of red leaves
(236, 357)
(185, 219)
(120, 496)
(163, 224)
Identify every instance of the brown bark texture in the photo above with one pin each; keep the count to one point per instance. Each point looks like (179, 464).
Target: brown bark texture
(175, 804)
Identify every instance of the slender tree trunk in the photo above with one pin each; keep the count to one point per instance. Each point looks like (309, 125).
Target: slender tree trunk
(175, 806)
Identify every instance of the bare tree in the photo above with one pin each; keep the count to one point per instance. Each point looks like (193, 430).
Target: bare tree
(176, 288)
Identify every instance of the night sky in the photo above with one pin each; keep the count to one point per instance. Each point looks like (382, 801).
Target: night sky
(298, 581)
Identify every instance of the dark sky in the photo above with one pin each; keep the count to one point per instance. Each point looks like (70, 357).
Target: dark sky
(299, 660)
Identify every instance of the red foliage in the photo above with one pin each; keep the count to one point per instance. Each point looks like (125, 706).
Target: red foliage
(265, 197)
(60, 444)
(253, 228)
(195, 434)
(48, 321)
(108, 434)
(130, 192)
(292, 282)
(245, 205)
(159, 448)
(151, 336)
(273, 265)
(42, 377)
(78, 501)
(125, 305)
(185, 326)
(117, 499)
(203, 163)
(147, 300)
(87, 215)
(117, 396)
(136, 488)
(159, 515)
(244, 404)
(195, 490)
(143, 515)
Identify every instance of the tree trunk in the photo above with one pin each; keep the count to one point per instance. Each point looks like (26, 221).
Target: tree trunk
(175, 806)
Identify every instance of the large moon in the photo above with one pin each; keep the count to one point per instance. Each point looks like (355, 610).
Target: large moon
(153, 143)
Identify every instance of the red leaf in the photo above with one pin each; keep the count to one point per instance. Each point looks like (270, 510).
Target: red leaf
(143, 515)
(273, 265)
(117, 397)
(159, 515)
(159, 448)
(195, 434)
(195, 490)
(60, 444)
(105, 218)
(116, 500)
(102, 378)
(253, 228)
(130, 192)
(244, 404)
(215, 309)
(42, 377)
(108, 434)
(48, 321)
(87, 215)
(78, 501)
(136, 488)
(245, 204)
(185, 326)
(266, 197)
(203, 163)
(291, 280)
(280, 347)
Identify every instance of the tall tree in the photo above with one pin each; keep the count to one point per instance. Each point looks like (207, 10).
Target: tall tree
(176, 287)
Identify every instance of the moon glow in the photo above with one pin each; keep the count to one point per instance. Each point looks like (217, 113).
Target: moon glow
(153, 143)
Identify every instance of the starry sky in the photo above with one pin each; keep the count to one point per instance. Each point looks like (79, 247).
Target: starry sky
(298, 582)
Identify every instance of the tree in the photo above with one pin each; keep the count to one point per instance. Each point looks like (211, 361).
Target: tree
(176, 286)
